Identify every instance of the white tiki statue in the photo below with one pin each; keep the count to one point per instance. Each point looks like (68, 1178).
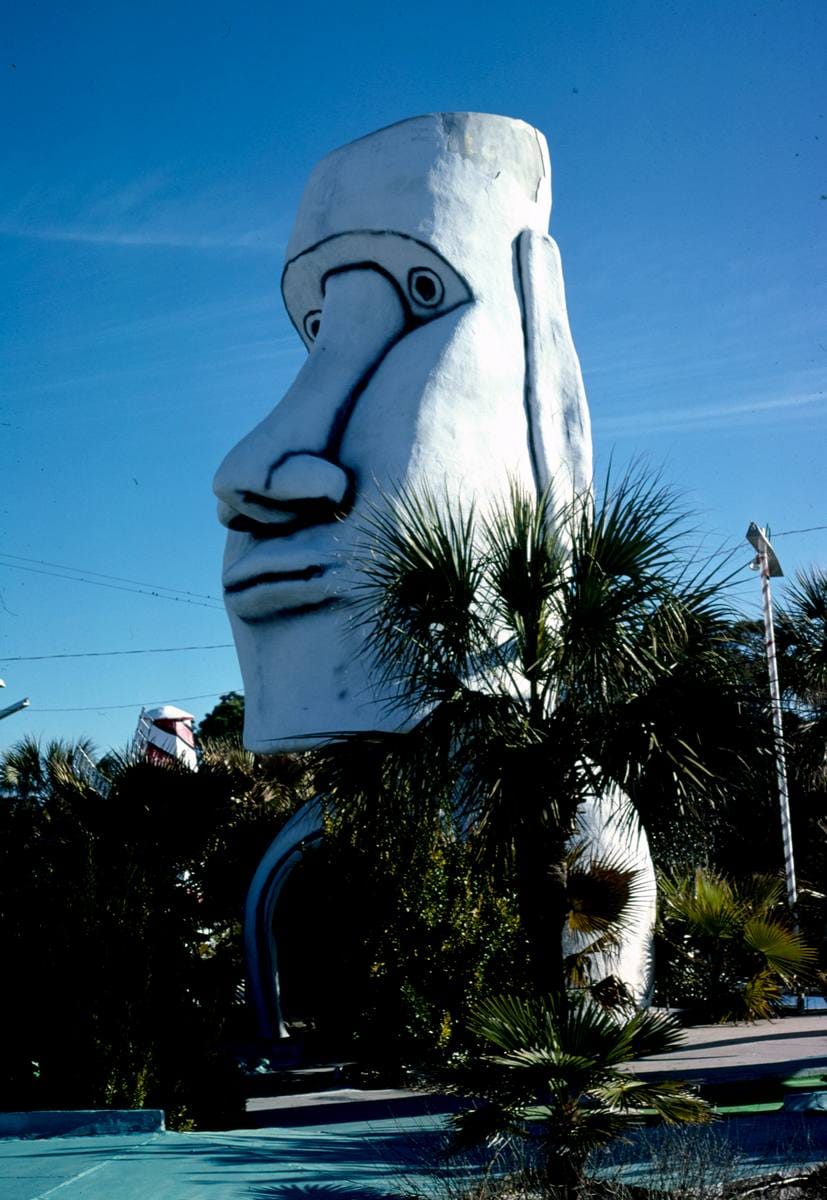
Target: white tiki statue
(421, 278)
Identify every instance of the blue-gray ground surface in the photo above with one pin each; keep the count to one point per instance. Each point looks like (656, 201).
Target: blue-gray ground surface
(344, 1146)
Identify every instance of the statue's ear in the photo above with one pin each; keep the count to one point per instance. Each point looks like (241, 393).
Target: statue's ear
(559, 430)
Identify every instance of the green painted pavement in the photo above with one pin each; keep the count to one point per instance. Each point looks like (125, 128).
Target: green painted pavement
(342, 1162)
(320, 1159)
(348, 1161)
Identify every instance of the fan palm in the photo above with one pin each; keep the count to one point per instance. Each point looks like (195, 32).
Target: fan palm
(535, 656)
(730, 953)
(30, 773)
(552, 1077)
(604, 894)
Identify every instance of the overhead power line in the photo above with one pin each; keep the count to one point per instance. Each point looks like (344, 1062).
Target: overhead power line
(42, 562)
(809, 529)
(134, 704)
(119, 587)
(111, 653)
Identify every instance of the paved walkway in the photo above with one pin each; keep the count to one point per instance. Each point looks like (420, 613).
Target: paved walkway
(343, 1145)
(720, 1054)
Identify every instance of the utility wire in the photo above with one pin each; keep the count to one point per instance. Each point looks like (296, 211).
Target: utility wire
(111, 653)
(118, 587)
(809, 529)
(41, 562)
(134, 704)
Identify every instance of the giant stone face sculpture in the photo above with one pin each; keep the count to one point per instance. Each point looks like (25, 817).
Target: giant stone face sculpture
(429, 296)
(422, 281)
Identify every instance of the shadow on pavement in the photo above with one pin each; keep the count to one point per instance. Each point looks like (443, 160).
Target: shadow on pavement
(726, 1073)
(360, 1164)
(758, 1037)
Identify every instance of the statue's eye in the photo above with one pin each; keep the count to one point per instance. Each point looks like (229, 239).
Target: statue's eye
(425, 287)
(312, 323)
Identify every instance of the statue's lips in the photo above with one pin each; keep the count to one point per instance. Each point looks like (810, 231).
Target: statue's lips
(255, 591)
(304, 573)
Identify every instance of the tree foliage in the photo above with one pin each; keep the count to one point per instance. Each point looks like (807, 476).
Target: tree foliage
(224, 720)
(551, 1076)
(731, 949)
(119, 926)
(543, 657)
(389, 931)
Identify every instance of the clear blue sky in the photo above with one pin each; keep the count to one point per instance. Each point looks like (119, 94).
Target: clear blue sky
(153, 157)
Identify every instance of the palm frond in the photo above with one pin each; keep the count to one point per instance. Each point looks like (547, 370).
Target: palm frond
(525, 565)
(560, 1081)
(760, 997)
(656, 1033)
(705, 902)
(511, 1022)
(761, 894)
(418, 596)
(785, 951)
(604, 892)
(670, 1099)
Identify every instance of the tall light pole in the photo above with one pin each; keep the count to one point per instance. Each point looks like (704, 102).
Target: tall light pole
(769, 567)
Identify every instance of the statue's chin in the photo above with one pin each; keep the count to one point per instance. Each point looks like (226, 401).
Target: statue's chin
(261, 745)
(305, 681)
(258, 734)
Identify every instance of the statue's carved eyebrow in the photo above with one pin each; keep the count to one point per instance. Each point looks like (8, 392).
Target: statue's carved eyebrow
(390, 234)
(393, 254)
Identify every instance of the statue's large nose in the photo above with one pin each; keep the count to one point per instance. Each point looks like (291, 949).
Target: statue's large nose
(285, 474)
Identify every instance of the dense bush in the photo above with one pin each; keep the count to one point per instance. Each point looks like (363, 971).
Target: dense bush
(383, 948)
(119, 921)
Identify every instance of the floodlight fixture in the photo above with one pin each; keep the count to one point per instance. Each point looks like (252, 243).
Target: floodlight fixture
(758, 539)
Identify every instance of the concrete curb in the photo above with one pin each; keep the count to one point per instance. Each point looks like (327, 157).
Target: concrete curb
(81, 1122)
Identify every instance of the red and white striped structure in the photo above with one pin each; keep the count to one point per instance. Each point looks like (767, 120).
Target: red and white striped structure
(165, 734)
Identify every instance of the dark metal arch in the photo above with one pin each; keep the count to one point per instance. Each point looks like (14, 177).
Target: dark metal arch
(303, 831)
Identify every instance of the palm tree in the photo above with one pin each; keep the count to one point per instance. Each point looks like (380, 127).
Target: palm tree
(30, 773)
(730, 949)
(802, 636)
(539, 656)
(551, 1080)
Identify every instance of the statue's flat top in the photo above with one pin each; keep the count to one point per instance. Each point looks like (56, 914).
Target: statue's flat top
(443, 118)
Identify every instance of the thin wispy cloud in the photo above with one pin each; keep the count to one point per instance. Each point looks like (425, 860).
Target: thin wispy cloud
(705, 417)
(146, 212)
(257, 240)
(206, 320)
